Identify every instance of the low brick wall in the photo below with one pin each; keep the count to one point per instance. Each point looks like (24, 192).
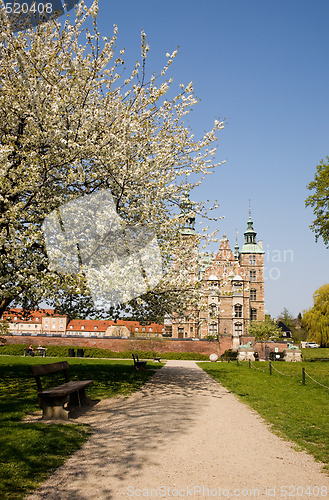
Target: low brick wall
(260, 347)
(118, 345)
(206, 347)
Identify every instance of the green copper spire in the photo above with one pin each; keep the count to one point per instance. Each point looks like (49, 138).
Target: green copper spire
(250, 245)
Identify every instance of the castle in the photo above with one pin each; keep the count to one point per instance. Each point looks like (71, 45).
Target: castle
(232, 286)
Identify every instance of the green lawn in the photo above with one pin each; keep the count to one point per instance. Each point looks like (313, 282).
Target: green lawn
(29, 452)
(311, 353)
(295, 411)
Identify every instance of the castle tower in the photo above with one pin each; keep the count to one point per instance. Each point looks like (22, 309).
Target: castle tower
(188, 262)
(251, 259)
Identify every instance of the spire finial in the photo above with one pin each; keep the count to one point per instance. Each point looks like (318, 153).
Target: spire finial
(236, 248)
(249, 208)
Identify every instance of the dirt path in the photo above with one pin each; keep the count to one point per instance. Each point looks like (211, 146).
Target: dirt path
(183, 435)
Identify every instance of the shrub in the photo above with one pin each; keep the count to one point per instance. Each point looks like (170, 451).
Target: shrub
(229, 355)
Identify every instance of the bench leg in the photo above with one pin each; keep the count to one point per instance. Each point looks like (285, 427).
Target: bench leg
(79, 398)
(54, 409)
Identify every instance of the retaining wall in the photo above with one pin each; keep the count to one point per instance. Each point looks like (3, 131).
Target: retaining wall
(206, 347)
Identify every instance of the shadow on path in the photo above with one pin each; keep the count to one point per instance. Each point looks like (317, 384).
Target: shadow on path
(126, 431)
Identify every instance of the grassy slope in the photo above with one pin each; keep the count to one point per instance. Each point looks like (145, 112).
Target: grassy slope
(29, 452)
(297, 412)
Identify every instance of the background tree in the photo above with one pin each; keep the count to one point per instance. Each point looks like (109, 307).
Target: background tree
(4, 330)
(265, 330)
(70, 125)
(294, 324)
(319, 201)
(287, 318)
(316, 319)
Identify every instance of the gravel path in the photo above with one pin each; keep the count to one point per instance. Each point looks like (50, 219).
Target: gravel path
(183, 435)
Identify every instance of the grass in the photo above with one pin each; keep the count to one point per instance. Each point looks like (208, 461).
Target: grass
(320, 353)
(295, 411)
(29, 452)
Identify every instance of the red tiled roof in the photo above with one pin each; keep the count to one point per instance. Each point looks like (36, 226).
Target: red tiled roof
(101, 326)
(89, 324)
(31, 317)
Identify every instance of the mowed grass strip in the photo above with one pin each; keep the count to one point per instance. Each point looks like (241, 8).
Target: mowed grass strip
(295, 411)
(29, 452)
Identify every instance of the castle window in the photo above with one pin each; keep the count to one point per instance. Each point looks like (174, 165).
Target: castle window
(238, 328)
(253, 294)
(180, 332)
(237, 289)
(238, 311)
(213, 329)
(252, 260)
(212, 310)
(253, 314)
(252, 275)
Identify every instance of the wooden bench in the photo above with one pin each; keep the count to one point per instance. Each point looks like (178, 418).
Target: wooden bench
(52, 400)
(138, 364)
(156, 358)
(40, 351)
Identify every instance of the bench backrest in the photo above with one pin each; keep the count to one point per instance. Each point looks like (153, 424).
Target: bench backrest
(135, 357)
(48, 368)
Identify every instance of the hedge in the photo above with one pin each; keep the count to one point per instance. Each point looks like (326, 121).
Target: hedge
(94, 352)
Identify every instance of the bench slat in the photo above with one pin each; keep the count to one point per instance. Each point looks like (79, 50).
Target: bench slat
(66, 389)
(38, 370)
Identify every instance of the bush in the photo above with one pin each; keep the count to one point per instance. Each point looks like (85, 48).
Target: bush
(229, 355)
(13, 349)
(185, 355)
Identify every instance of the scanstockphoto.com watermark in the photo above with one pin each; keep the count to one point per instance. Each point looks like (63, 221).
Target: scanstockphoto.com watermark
(26, 13)
(274, 260)
(283, 491)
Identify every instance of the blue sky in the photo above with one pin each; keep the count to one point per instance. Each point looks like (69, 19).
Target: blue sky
(262, 65)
